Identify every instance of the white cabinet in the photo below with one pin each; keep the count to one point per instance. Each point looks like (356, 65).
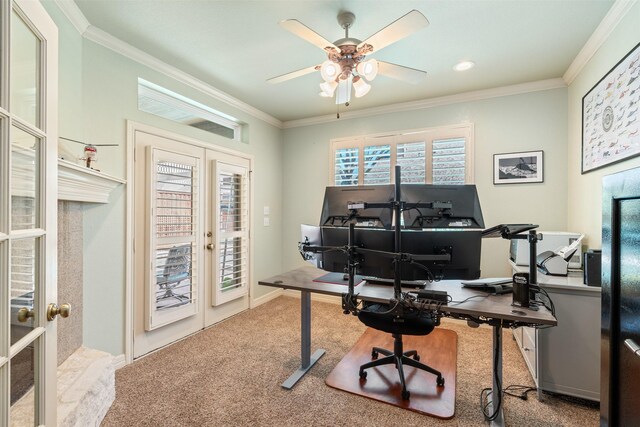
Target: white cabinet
(566, 358)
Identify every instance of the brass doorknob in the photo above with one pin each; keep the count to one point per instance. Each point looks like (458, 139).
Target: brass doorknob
(53, 310)
(25, 314)
(210, 246)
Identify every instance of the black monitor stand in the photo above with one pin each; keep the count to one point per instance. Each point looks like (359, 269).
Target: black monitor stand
(349, 300)
(515, 232)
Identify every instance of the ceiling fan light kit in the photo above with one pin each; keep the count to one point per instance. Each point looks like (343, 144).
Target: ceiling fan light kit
(346, 65)
(368, 69)
(329, 71)
(328, 88)
(360, 87)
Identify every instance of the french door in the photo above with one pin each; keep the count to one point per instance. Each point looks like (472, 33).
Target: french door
(28, 213)
(191, 245)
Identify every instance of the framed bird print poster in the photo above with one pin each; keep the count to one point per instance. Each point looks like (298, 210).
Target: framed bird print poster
(610, 124)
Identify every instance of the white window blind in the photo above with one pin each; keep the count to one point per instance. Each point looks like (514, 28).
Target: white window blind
(377, 164)
(233, 232)
(432, 156)
(449, 161)
(411, 158)
(174, 183)
(346, 166)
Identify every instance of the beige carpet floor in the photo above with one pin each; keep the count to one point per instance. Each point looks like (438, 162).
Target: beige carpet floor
(230, 375)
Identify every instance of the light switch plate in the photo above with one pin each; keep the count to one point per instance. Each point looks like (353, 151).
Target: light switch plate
(266, 210)
(266, 221)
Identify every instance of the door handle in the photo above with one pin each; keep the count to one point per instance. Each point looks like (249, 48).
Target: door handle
(635, 348)
(25, 314)
(210, 246)
(53, 310)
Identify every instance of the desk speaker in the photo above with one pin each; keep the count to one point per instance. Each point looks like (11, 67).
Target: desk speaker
(593, 267)
(521, 289)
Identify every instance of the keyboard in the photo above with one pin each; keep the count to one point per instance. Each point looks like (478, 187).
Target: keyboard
(417, 284)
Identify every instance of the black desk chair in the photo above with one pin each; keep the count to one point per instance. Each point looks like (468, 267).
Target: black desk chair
(377, 316)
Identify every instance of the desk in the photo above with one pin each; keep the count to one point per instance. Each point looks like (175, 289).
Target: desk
(496, 310)
(565, 359)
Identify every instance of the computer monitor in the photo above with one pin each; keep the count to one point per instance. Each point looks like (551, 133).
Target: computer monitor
(336, 199)
(312, 235)
(462, 245)
(465, 209)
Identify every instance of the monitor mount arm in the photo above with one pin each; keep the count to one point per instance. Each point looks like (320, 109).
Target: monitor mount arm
(532, 237)
(349, 300)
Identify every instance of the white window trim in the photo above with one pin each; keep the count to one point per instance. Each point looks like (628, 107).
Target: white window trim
(167, 97)
(463, 130)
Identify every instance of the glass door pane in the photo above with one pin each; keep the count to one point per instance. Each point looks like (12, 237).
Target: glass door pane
(23, 287)
(25, 71)
(25, 168)
(22, 383)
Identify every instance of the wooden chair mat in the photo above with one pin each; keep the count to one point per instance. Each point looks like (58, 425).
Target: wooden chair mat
(438, 350)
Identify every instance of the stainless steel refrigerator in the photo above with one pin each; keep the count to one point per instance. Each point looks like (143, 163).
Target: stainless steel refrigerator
(620, 328)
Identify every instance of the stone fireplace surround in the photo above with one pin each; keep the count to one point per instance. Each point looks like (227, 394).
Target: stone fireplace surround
(86, 377)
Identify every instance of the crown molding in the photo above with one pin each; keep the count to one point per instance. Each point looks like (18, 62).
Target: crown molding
(96, 35)
(73, 13)
(617, 12)
(476, 95)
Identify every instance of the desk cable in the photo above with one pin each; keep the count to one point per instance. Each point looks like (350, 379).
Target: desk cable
(468, 299)
(550, 306)
(486, 392)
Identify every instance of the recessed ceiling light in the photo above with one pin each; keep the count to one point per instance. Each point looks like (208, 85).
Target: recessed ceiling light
(464, 65)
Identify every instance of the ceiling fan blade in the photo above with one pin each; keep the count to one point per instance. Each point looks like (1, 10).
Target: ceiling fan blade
(400, 72)
(299, 29)
(398, 29)
(292, 75)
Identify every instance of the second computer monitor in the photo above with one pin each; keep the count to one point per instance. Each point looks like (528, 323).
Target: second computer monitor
(462, 245)
(464, 212)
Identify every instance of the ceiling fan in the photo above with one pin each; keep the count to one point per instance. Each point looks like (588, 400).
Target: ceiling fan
(346, 66)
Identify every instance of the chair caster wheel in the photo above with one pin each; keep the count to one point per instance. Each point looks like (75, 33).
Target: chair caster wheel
(440, 381)
(374, 355)
(405, 394)
(416, 357)
(363, 375)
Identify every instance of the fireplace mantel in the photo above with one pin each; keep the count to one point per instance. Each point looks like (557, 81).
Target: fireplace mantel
(81, 184)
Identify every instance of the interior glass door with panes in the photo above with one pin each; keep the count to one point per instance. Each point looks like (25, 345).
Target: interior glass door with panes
(28, 214)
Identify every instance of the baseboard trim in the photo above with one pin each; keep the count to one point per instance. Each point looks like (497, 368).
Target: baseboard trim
(255, 302)
(119, 361)
(315, 297)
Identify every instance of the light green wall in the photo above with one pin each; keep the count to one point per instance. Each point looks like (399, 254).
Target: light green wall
(532, 121)
(98, 93)
(585, 191)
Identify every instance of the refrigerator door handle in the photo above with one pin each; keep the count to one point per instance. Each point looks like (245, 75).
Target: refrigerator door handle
(635, 348)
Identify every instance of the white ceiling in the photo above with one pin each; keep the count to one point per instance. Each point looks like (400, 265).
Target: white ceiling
(236, 46)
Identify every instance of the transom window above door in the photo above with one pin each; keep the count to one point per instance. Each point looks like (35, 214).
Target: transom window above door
(429, 156)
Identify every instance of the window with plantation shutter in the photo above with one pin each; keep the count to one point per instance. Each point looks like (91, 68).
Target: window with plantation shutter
(232, 269)
(174, 182)
(449, 161)
(346, 166)
(430, 156)
(411, 158)
(377, 164)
